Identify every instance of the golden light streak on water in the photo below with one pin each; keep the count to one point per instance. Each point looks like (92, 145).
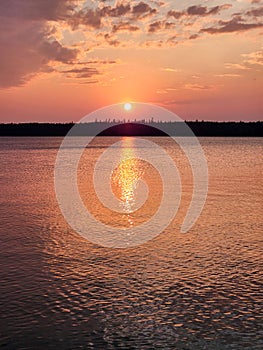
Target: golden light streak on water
(125, 177)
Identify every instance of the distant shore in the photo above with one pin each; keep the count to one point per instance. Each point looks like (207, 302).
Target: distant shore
(140, 128)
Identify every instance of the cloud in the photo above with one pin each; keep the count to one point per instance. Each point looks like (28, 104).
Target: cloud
(114, 42)
(88, 17)
(175, 14)
(256, 12)
(160, 25)
(33, 33)
(142, 9)
(119, 10)
(178, 102)
(54, 51)
(124, 26)
(94, 17)
(85, 72)
(47, 10)
(191, 11)
(111, 41)
(237, 66)
(254, 58)
(99, 62)
(201, 10)
(236, 24)
(228, 75)
(198, 10)
(158, 3)
(88, 82)
(198, 87)
(27, 42)
(194, 36)
(166, 90)
(26, 50)
(172, 41)
(248, 61)
(168, 69)
(153, 27)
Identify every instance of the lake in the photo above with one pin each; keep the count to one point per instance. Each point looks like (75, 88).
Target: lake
(196, 290)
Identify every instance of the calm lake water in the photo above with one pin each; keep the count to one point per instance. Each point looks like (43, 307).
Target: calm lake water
(199, 290)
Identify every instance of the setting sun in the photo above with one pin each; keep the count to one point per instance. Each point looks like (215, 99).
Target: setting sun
(127, 106)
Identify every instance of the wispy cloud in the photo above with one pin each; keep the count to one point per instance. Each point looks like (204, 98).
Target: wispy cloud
(248, 61)
(85, 72)
(237, 66)
(254, 58)
(169, 69)
(228, 75)
(198, 87)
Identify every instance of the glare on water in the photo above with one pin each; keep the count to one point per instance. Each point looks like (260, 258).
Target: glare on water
(125, 177)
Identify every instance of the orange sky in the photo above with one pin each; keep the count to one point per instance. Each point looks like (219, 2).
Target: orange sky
(62, 59)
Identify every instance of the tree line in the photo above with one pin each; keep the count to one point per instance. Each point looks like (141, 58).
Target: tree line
(135, 128)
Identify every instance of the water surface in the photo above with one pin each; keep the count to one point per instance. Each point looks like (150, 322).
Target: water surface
(200, 290)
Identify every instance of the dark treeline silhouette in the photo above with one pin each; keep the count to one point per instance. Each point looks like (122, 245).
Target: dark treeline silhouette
(140, 128)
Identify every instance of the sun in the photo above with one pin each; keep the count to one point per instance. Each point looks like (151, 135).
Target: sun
(127, 106)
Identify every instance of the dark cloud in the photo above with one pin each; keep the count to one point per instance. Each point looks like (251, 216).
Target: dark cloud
(88, 82)
(54, 51)
(91, 71)
(204, 11)
(119, 10)
(193, 36)
(175, 14)
(88, 17)
(159, 25)
(172, 40)
(81, 73)
(99, 62)
(234, 25)
(153, 27)
(124, 26)
(215, 10)
(94, 17)
(50, 10)
(27, 49)
(169, 25)
(256, 12)
(142, 9)
(26, 40)
(198, 10)
(111, 41)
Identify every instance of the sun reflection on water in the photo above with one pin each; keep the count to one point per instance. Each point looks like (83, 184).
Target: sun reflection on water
(126, 176)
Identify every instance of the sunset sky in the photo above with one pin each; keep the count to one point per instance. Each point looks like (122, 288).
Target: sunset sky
(63, 59)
